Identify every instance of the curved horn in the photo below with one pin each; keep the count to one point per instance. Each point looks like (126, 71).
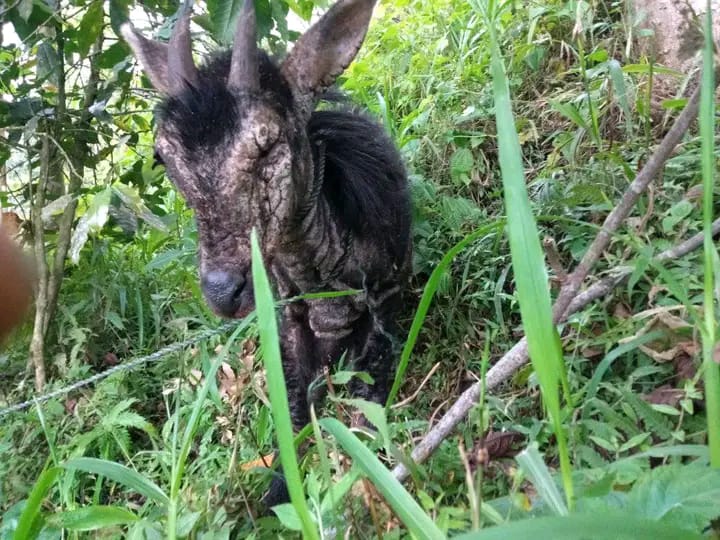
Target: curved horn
(181, 68)
(244, 72)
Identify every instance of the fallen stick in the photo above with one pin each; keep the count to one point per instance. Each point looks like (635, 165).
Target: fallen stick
(568, 300)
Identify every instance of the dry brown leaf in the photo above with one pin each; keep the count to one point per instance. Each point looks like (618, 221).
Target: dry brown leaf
(673, 322)
(654, 291)
(685, 368)
(195, 377)
(661, 356)
(592, 352)
(665, 395)
(263, 462)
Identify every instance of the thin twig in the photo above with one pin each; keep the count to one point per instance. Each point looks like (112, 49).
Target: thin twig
(568, 300)
(419, 389)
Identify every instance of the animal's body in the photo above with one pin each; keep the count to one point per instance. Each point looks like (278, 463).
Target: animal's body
(325, 190)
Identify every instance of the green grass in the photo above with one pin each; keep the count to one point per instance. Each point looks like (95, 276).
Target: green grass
(712, 261)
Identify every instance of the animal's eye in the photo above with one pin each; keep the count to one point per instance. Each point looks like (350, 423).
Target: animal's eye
(266, 135)
(157, 160)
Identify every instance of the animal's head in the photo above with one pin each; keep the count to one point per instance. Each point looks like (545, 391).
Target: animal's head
(232, 135)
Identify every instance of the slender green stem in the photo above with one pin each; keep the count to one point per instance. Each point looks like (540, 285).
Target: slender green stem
(707, 133)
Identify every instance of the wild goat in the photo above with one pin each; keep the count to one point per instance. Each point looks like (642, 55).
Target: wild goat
(326, 190)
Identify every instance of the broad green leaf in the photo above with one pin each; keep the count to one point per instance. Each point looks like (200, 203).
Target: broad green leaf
(93, 518)
(93, 220)
(618, 81)
(90, 27)
(186, 522)
(134, 202)
(535, 468)
(338, 490)
(288, 516)
(119, 13)
(48, 63)
(404, 506)
(709, 327)
(528, 260)
(571, 112)
(375, 413)
(120, 474)
(461, 164)
(25, 8)
(224, 14)
(344, 377)
(682, 496)
(596, 526)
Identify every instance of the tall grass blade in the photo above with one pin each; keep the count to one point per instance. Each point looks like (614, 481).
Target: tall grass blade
(426, 299)
(409, 511)
(120, 474)
(267, 326)
(527, 258)
(707, 135)
(30, 521)
(599, 526)
(535, 468)
(618, 80)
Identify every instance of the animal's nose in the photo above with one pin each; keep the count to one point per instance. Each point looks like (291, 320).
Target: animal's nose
(223, 291)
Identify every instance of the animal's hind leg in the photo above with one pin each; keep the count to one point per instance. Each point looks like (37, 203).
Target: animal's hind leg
(375, 354)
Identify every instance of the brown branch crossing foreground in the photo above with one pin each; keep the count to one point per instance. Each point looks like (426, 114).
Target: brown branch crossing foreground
(568, 300)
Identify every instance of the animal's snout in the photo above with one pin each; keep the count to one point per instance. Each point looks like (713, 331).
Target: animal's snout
(227, 293)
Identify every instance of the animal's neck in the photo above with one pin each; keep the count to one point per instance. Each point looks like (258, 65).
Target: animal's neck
(319, 245)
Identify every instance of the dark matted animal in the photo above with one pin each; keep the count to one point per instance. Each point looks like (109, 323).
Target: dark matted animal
(326, 191)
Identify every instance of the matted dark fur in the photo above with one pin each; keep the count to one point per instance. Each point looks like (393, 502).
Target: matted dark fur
(325, 190)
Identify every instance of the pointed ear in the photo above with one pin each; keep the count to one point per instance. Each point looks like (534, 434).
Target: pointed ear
(327, 48)
(153, 57)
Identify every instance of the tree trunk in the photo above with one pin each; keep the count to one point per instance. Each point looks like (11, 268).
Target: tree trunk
(52, 184)
(677, 30)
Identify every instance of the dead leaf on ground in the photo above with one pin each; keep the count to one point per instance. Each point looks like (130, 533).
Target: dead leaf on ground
(685, 368)
(264, 462)
(654, 291)
(592, 352)
(195, 377)
(665, 395)
(621, 311)
(71, 405)
(493, 446)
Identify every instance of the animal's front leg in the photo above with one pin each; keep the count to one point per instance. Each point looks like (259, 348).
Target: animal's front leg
(296, 346)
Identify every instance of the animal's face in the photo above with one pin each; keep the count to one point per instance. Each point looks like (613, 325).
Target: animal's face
(233, 139)
(241, 181)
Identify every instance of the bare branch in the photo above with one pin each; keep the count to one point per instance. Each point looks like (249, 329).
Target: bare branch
(568, 300)
(618, 215)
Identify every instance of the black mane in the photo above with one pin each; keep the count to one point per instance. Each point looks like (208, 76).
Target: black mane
(206, 115)
(364, 179)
